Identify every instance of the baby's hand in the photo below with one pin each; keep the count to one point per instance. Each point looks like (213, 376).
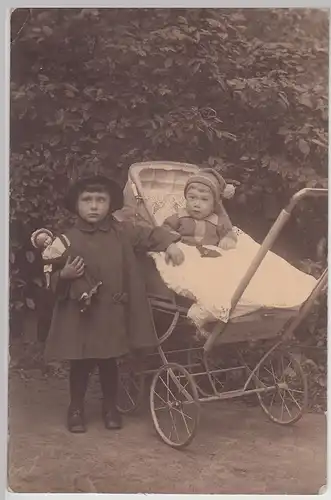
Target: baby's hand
(227, 243)
(73, 269)
(174, 254)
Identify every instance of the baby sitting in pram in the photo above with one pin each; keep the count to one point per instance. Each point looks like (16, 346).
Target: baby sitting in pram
(204, 220)
(206, 231)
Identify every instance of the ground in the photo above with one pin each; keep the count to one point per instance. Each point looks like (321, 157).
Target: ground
(237, 450)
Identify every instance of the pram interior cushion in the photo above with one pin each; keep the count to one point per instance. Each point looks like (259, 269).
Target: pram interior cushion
(157, 188)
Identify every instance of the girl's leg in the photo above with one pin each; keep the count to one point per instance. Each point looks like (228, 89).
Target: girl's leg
(108, 373)
(80, 370)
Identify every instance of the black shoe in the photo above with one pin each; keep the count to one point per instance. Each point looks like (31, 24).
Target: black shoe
(112, 418)
(76, 421)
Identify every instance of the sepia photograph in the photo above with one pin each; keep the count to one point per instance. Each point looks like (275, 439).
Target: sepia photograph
(168, 243)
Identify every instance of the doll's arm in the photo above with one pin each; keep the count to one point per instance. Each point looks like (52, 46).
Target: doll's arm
(57, 253)
(57, 249)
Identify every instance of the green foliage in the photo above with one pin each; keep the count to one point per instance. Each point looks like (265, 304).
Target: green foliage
(244, 91)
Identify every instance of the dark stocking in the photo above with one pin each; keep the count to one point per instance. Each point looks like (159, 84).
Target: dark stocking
(80, 370)
(108, 373)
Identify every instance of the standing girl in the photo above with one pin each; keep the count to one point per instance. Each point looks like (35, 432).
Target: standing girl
(119, 318)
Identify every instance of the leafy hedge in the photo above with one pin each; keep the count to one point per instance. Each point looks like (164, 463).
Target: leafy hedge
(243, 91)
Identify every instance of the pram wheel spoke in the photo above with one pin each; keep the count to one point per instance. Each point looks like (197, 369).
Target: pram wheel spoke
(130, 387)
(174, 405)
(285, 394)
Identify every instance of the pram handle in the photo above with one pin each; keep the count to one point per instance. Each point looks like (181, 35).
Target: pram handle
(263, 250)
(305, 193)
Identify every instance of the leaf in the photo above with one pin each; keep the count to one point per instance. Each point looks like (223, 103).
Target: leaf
(18, 305)
(312, 183)
(319, 143)
(237, 84)
(238, 17)
(182, 20)
(47, 30)
(305, 101)
(284, 99)
(54, 141)
(214, 23)
(265, 162)
(30, 303)
(230, 136)
(38, 282)
(273, 165)
(120, 134)
(304, 147)
(196, 67)
(30, 257)
(283, 131)
(70, 87)
(168, 62)
(322, 381)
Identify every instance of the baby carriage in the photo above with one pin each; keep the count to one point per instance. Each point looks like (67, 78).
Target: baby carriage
(216, 368)
(213, 369)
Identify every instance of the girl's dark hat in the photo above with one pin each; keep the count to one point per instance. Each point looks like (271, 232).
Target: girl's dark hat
(78, 186)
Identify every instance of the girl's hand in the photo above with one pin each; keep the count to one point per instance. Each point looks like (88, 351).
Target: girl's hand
(174, 254)
(73, 269)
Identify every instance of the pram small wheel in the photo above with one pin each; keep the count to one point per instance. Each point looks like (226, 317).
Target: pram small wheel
(130, 387)
(174, 405)
(287, 402)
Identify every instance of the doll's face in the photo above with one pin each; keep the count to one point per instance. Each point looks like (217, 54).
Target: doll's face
(199, 201)
(93, 206)
(43, 240)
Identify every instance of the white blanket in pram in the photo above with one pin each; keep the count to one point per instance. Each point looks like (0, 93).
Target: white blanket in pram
(211, 282)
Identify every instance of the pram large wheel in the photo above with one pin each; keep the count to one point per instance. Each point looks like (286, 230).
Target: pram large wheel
(174, 405)
(130, 386)
(286, 404)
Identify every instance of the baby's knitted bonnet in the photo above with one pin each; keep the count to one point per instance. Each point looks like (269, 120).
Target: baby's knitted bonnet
(212, 179)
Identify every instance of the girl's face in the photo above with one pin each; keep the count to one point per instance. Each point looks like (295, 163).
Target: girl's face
(93, 207)
(199, 201)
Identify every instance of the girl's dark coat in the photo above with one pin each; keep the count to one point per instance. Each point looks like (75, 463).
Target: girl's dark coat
(120, 318)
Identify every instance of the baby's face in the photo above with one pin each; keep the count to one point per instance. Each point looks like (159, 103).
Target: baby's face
(199, 201)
